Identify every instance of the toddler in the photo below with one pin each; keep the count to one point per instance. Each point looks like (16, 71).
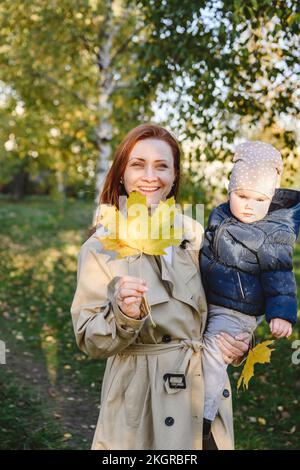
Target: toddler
(246, 261)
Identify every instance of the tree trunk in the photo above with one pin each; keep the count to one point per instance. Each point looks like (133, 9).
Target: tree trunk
(19, 183)
(104, 129)
(60, 185)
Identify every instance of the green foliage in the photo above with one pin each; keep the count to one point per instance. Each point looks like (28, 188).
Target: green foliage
(51, 78)
(216, 70)
(43, 109)
(226, 67)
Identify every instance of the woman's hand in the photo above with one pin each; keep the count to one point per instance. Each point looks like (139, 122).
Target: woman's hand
(128, 294)
(233, 348)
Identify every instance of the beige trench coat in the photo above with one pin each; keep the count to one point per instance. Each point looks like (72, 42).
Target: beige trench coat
(139, 407)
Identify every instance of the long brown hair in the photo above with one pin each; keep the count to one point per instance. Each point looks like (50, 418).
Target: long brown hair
(113, 188)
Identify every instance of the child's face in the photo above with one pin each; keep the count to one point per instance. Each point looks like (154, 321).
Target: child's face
(249, 206)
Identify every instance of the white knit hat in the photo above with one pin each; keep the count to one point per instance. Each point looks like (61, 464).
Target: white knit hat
(256, 167)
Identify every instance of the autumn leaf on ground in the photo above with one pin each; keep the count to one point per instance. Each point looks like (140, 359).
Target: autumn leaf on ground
(260, 354)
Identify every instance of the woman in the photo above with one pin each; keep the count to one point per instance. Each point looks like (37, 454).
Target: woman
(152, 390)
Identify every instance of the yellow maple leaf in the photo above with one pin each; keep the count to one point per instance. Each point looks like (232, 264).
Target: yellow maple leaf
(140, 232)
(259, 354)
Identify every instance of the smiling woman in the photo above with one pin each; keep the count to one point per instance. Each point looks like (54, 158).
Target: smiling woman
(148, 160)
(152, 390)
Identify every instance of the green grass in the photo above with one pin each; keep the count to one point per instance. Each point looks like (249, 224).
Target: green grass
(38, 255)
(51, 390)
(26, 423)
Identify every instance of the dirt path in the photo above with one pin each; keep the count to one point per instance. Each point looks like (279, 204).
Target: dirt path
(75, 409)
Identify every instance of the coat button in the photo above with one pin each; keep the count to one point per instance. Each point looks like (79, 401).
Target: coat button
(169, 421)
(166, 338)
(226, 393)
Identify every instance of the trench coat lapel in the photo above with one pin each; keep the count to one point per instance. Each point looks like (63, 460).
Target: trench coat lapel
(178, 276)
(158, 292)
(133, 266)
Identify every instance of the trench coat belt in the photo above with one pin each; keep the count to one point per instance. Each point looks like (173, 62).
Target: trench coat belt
(186, 348)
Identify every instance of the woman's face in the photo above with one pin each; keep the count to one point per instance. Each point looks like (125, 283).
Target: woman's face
(150, 170)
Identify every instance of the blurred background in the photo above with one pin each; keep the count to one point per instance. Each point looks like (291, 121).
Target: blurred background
(75, 77)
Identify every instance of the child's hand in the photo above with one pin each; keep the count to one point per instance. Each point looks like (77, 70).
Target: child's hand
(280, 328)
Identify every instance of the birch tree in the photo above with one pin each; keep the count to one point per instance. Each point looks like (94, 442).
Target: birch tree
(71, 66)
(221, 64)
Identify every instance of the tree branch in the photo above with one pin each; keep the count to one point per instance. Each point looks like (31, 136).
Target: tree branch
(125, 44)
(76, 95)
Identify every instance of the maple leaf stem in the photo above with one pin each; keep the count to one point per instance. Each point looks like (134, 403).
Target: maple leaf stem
(148, 308)
(140, 265)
